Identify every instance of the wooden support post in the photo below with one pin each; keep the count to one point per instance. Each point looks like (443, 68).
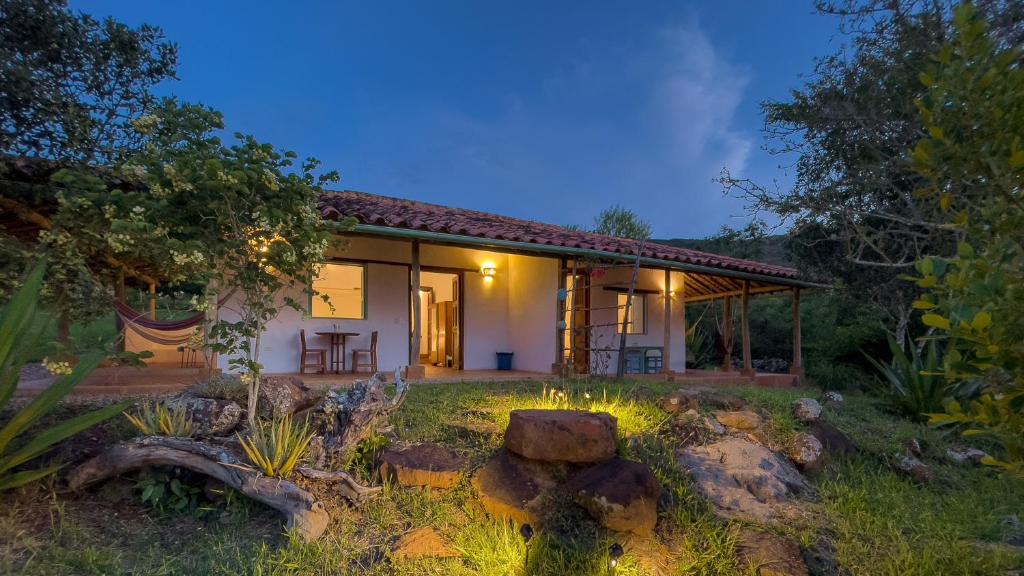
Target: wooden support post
(666, 356)
(152, 301)
(797, 367)
(119, 296)
(748, 366)
(727, 333)
(682, 315)
(414, 293)
(559, 365)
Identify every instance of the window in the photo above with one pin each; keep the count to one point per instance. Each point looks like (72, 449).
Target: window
(345, 285)
(637, 312)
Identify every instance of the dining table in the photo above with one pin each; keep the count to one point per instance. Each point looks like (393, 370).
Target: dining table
(337, 348)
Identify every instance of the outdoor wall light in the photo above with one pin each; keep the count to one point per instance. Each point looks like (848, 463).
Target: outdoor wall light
(488, 270)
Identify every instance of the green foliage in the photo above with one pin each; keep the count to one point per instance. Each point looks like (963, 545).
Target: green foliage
(912, 385)
(221, 387)
(168, 492)
(973, 163)
(17, 322)
(699, 347)
(364, 457)
(277, 446)
(622, 223)
(156, 419)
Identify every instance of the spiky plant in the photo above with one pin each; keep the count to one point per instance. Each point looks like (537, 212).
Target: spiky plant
(159, 420)
(913, 384)
(19, 321)
(276, 446)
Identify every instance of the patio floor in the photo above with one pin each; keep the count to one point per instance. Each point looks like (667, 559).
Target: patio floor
(167, 379)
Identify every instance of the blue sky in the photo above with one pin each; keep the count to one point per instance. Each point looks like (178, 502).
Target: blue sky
(549, 111)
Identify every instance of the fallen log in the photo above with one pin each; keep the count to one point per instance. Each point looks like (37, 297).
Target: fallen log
(302, 511)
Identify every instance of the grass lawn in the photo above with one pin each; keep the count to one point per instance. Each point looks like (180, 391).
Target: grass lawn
(866, 520)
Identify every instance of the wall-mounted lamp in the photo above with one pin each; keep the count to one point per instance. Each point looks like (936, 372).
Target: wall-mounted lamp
(488, 270)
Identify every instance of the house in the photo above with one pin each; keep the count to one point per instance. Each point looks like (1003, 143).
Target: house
(452, 288)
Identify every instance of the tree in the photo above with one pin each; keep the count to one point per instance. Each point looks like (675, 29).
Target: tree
(621, 222)
(854, 213)
(72, 87)
(243, 216)
(972, 162)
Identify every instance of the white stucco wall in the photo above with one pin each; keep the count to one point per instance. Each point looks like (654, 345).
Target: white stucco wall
(533, 295)
(607, 337)
(387, 312)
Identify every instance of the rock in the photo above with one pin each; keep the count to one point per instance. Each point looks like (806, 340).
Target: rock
(807, 452)
(510, 487)
(284, 395)
(713, 426)
(832, 398)
(620, 494)
(965, 455)
(643, 394)
(722, 401)
(806, 410)
(562, 435)
(768, 554)
(744, 480)
(422, 543)
(679, 401)
(832, 439)
(913, 447)
(427, 464)
(739, 420)
(913, 468)
(209, 417)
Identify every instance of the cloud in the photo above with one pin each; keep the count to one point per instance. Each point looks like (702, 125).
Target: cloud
(646, 126)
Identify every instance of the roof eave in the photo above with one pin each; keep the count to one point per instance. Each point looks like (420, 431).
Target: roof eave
(459, 239)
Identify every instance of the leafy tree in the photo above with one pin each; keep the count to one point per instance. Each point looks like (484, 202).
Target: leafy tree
(621, 222)
(72, 87)
(853, 209)
(972, 160)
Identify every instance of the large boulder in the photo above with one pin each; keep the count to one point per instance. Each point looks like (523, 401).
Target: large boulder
(422, 543)
(739, 419)
(744, 480)
(832, 439)
(620, 494)
(562, 435)
(510, 487)
(806, 410)
(430, 465)
(768, 554)
(283, 396)
(210, 417)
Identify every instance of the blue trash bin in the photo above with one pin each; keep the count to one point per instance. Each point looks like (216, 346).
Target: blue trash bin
(504, 360)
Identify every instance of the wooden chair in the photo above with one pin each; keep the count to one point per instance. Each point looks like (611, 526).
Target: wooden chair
(317, 353)
(370, 352)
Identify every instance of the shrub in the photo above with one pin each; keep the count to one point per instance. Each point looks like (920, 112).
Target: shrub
(159, 420)
(276, 446)
(18, 322)
(221, 387)
(913, 385)
(169, 492)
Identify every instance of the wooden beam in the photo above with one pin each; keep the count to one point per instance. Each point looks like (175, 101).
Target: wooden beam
(748, 366)
(152, 301)
(752, 291)
(727, 332)
(797, 367)
(414, 293)
(666, 355)
(558, 366)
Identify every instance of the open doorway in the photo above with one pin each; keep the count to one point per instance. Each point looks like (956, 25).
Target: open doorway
(441, 318)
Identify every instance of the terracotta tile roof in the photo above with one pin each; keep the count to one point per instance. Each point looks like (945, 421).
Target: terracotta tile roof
(412, 215)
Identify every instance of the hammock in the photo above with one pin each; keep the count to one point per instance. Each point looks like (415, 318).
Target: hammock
(166, 332)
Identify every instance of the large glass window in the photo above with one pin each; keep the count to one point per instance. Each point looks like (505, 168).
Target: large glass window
(345, 285)
(637, 312)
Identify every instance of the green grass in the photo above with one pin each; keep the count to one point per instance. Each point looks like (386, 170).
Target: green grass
(869, 520)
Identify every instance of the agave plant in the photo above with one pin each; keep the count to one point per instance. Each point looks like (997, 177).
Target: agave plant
(18, 322)
(276, 446)
(914, 385)
(158, 419)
